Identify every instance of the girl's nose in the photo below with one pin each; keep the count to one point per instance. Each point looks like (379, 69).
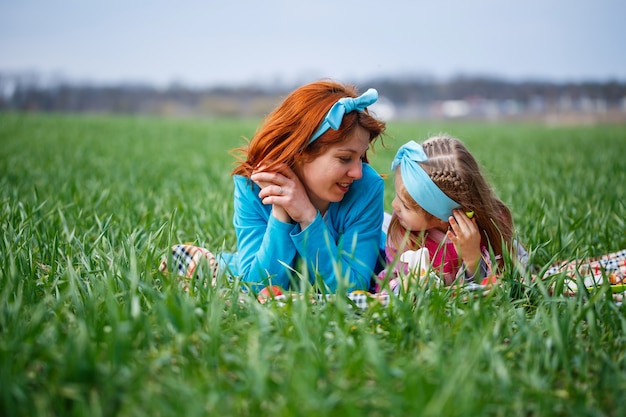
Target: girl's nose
(395, 203)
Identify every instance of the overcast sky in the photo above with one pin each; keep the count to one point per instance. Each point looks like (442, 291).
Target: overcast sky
(214, 42)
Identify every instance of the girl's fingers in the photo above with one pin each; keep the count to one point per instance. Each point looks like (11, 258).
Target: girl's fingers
(461, 226)
(461, 218)
(456, 226)
(453, 225)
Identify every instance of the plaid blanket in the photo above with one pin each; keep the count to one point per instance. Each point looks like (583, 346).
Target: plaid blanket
(595, 270)
(186, 259)
(361, 299)
(192, 262)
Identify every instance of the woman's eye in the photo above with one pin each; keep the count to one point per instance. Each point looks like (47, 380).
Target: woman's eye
(345, 159)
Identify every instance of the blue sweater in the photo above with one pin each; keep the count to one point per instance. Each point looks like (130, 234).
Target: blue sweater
(344, 244)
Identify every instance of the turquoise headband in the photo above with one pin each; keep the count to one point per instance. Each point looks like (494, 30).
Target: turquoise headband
(344, 105)
(419, 185)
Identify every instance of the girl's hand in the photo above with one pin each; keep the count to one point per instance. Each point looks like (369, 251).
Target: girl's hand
(284, 191)
(466, 237)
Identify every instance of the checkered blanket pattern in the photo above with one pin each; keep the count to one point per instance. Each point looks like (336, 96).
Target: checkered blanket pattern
(186, 259)
(593, 270)
(361, 299)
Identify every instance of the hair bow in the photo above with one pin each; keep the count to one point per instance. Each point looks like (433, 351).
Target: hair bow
(344, 105)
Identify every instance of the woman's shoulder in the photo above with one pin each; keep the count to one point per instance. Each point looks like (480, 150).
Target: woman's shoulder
(243, 182)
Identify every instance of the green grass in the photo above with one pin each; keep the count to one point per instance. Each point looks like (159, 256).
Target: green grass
(88, 205)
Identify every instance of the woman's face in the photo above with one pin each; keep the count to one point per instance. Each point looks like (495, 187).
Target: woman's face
(328, 177)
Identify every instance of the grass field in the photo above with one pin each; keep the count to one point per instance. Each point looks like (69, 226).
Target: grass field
(88, 327)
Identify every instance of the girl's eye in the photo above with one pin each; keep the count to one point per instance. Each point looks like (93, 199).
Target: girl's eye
(345, 159)
(401, 201)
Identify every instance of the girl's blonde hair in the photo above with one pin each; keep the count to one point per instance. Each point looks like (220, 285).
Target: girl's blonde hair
(284, 136)
(456, 172)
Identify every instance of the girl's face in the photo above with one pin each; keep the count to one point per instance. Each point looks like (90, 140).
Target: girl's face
(328, 177)
(412, 218)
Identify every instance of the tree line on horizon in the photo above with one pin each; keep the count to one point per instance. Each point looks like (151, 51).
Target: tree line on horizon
(27, 94)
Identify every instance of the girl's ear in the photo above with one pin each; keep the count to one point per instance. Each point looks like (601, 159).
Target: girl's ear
(442, 225)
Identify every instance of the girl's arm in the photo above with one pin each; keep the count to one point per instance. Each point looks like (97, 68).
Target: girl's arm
(482, 270)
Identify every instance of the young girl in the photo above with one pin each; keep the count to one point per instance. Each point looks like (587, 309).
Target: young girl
(444, 204)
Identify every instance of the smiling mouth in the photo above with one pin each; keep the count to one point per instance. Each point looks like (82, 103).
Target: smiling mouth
(344, 186)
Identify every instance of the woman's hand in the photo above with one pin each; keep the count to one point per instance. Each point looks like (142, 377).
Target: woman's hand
(284, 191)
(466, 237)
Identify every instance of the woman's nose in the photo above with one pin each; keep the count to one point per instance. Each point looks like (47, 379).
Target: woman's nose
(356, 170)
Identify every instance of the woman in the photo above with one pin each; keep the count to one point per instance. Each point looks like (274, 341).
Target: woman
(307, 204)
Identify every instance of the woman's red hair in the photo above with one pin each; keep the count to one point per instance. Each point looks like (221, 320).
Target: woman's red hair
(284, 136)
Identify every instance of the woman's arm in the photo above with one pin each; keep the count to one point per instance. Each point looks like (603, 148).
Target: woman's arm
(348, 247)
(263, 242)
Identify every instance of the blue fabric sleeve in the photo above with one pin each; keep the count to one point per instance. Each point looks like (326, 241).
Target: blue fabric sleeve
(263, 242)
(348, 247)
(344, 244)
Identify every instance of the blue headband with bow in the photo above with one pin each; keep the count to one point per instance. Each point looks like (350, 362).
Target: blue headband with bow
(344, 105)
(419, 185)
